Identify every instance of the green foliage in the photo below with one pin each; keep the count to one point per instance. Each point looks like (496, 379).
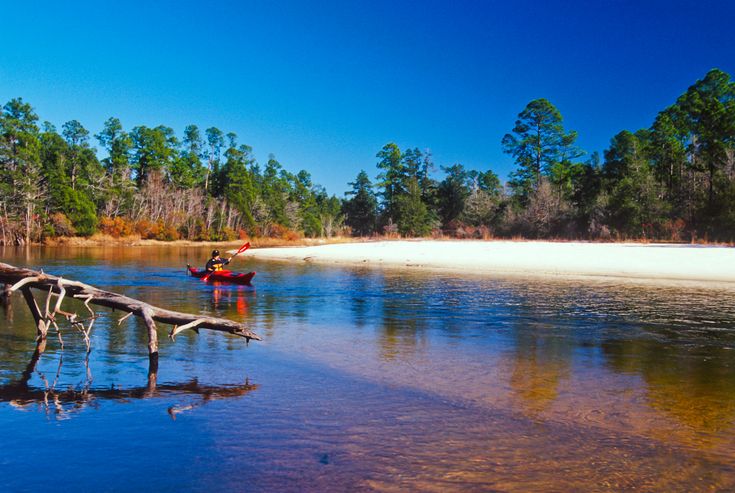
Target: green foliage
(189, 170)
(306, 195)
(361, 210)
(540, 146)
(635, 208)
(391, 178)
(483, 204)
(330, 213)
(673, 180)
(20, 172)
(80, 210)
(119, 188)
(414, 218)
(215, 143)
(239, 182)
(154, 151)
(453, 193)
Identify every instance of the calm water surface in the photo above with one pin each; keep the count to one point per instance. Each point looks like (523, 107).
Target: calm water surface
(371, 380)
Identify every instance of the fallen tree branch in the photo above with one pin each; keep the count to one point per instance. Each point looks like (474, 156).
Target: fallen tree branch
(26, 279)
(191, 325)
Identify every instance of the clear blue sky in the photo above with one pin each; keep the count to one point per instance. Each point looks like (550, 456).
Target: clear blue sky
(324, 85)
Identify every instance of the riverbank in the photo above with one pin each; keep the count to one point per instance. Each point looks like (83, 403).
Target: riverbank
(626, 260)
(107, 240)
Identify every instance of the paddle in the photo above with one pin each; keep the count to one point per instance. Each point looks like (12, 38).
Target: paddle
(242, 249)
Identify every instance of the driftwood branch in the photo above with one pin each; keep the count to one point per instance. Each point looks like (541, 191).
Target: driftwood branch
(25, 279)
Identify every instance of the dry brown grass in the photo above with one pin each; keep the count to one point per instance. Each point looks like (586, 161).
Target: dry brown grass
(97, 239)
(100, 239)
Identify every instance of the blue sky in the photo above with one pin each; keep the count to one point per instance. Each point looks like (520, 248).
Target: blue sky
(324, 85)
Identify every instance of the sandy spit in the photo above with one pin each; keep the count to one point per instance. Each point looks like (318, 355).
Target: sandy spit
(627, 260)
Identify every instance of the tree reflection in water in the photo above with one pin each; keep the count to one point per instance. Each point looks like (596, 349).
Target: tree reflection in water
(697, 391)
(5, 303)
(64, 403)
(541, 361)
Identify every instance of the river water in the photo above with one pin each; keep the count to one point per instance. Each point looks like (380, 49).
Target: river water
(371, 380)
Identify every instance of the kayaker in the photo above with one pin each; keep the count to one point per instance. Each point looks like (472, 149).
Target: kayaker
(216, 263)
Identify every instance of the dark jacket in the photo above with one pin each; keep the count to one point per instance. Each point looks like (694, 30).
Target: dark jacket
(215, 264)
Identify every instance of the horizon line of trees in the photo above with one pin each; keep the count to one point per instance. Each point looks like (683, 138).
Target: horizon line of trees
(673, 181)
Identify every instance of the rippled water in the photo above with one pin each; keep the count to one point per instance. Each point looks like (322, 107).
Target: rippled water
(386, 380)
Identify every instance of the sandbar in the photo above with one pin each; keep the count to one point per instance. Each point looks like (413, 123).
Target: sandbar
(682, 262)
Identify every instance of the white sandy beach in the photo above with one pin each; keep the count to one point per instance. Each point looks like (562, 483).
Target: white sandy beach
(642, 261)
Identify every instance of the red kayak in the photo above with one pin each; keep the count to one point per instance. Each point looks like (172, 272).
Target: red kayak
(223, 276)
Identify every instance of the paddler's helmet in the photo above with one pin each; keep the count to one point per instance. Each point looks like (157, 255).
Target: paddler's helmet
(215, 253)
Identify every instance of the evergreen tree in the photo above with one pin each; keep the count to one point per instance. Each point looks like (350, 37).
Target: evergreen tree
(483, 205)
(391, 179)
(275, 190)
(239, 182)
(20, 168)
(540, 146)
(414, 217)
(361, 210)
(330, 213)
(305, 195)
(67, 162)
(453, 193)
(635, 205)
(215, 141)
(187, 171)
(118, 192)
(705, 117)
(154, 151)
(589, 212)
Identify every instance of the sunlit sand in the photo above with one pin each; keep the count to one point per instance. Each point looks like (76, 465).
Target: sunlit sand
(627, 260)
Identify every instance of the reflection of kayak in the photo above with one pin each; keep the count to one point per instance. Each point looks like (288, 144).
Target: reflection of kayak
(222, 275)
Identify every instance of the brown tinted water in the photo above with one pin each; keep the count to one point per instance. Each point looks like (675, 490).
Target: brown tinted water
(384, 380)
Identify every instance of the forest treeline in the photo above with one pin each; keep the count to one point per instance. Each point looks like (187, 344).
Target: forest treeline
(673, 181)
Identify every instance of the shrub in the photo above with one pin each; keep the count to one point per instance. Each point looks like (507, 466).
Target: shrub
(116, 226)
(282, 232)
(167, 233)
(61, 225)
(390, 230)
(147, 229)
(674, 228)
(229, 234)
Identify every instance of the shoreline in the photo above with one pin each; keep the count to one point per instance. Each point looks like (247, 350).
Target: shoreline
(659, 262)
(136, 241)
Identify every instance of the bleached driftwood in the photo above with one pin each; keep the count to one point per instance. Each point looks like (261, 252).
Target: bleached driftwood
(26, 279)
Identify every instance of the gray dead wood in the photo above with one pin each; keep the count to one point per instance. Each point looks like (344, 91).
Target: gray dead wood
(25, 279)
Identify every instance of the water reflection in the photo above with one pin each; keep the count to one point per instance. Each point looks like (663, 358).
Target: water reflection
(62, 403)
(7, 307)
(541, 362)
(229, 298)
(693, 385)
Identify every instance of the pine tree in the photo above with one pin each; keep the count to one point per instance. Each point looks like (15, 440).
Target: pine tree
(361, 210)
(540, 146)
